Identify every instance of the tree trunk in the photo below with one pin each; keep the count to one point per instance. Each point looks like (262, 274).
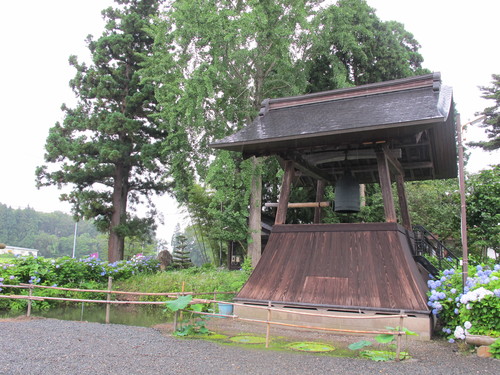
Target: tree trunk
(254, 247)
(116, 242)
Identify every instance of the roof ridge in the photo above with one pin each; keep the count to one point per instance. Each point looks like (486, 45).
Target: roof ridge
(432, 80)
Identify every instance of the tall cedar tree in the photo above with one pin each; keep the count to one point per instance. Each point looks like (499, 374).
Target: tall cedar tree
(492, 120)
(108, 147)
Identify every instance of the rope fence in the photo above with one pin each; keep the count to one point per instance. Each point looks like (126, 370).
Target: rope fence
(268, 322)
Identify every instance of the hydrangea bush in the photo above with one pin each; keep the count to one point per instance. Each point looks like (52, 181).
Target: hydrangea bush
(473, 310)
(88, 273)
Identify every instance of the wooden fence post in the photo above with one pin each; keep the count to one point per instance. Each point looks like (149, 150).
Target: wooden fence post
(398, 339)
(176, 319)
(268, 329)
(30, 294)
(108, 298)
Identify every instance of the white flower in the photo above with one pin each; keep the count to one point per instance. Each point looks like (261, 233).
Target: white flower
(467, 325)
(475, 295)
(459, 333)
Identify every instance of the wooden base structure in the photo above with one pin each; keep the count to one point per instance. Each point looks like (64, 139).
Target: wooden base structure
(349, 268)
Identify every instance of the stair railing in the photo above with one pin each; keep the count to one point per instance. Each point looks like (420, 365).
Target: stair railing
(427, 244)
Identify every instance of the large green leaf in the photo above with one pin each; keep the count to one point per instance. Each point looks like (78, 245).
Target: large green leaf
(359, 345)
(179, 304)
(384, 338)
(198, 307)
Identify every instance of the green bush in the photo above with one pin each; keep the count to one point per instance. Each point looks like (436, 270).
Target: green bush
(495, 349)
(474, 310)
(89, 273)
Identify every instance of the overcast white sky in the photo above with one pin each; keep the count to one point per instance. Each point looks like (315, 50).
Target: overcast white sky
(460, 39)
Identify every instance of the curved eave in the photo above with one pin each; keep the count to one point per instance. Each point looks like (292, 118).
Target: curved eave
(366, 134)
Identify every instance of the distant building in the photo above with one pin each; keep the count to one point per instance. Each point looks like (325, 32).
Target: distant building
(14, 250)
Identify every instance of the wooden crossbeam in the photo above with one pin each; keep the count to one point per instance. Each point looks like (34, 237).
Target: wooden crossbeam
(300, 204)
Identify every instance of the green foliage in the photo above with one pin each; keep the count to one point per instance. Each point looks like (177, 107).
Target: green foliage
(230, 178)
(246, 266)
(108, 148)
(196, 322)
(179, 304)
(50, 233)
(89, 273)
(382, 355)
(352, 46)
(495, 349)
(475, 310)
(492, 114)
(359, 345)
(195, 279)
(229, 56)
(483, 211)
(181, 258)
(383, 338)
(435, 204)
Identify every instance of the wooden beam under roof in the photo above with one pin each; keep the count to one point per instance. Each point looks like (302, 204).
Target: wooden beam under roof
(393, 161)
(307, 168)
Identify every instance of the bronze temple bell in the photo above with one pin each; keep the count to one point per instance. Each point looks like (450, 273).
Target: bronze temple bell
(347, 194)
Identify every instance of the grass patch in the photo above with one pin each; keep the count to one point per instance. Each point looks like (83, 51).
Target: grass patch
(196, 279)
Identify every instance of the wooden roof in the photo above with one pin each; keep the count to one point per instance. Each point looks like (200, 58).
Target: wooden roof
(338, 266)
(327, 132)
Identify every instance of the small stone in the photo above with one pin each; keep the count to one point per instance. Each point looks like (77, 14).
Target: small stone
(483, 351)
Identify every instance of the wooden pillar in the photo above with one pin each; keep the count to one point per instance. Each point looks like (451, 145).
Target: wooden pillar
(385, 185)
(320, 192)
(254, 217)
(284, 193)
(403, 202)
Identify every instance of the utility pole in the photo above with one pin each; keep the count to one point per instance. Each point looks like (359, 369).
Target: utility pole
(463, 210)
(74, 239)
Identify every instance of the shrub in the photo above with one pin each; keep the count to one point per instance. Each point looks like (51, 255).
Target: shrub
(89, 273)
(474, 310)
(495, 349)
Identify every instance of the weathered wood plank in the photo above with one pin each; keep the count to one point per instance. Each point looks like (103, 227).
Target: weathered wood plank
(359, 267)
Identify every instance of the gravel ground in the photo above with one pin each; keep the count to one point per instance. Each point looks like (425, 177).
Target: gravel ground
(49, 346)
